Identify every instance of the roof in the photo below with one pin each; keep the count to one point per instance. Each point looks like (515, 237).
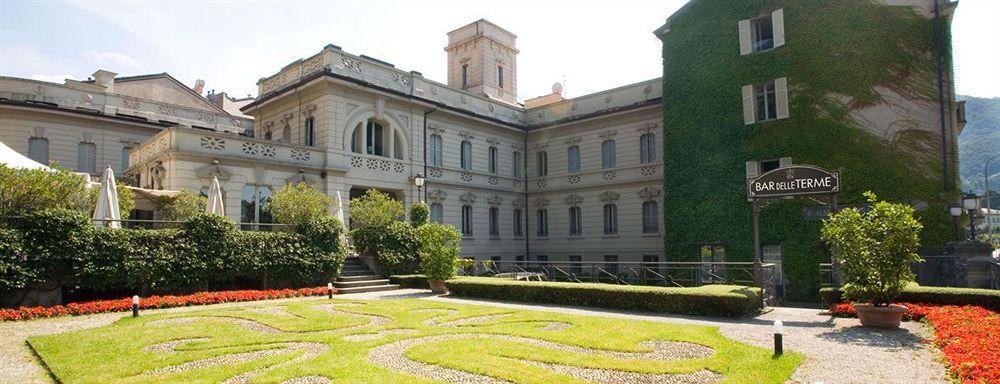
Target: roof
(164, 75)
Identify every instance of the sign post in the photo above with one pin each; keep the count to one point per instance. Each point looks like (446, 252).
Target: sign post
(787, 182)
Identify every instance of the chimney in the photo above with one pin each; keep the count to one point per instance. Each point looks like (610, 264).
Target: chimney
(105, 79)
(199, 85)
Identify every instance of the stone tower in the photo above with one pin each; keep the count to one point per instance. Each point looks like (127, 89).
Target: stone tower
(482, 59)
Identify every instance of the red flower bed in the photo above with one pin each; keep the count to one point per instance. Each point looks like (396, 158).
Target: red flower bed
(125, 304)
(969, 337)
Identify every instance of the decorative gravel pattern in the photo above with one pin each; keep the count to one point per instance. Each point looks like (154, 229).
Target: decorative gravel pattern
(379, 335)
(605, 376)
(309, 351)
(373, 320)
(273, 311)
(474, 320)
(392, 356)
(309, 380)
(555, 326)
(245, 323)
(168, 347)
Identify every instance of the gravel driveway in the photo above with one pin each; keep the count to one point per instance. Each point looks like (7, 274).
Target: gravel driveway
(837, 350)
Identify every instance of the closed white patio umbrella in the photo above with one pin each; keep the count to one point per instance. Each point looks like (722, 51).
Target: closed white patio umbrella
(106, 213)
(215, 204)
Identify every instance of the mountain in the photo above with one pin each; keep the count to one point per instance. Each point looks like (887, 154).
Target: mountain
(979, 141)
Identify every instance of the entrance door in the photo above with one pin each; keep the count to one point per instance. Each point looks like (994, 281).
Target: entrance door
(772, 254)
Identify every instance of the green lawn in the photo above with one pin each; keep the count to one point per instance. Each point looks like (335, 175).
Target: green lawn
(352, 341)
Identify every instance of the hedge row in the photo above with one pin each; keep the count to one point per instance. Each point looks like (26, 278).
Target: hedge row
(409, 281)
(708, 300)
(914, 293)
(62, 248)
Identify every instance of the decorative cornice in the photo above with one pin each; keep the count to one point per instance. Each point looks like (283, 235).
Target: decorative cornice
(309, 110)
(609, 197)
(541, 202)
(649, 194)
(648, 127)
(437, 196)
(573, 200)
(468, 198)
(494, 200)
(572, 141)
(466, 135)
(541, 147)
(518, 202)
(609, 134)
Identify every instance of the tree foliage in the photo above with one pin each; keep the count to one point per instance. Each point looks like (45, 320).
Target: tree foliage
(439, 246)
(419, 214)
(375, 209)
(874, 249)
(180, 207)
(299, 203)
(31, 190)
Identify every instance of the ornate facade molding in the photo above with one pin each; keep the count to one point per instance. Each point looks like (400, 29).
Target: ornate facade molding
(437, 196)
(494, 200)
(541, 202)
(608, 135)
(468, 198)
(649, 194)
(648, 128)
(609, 197)
(573, 141)
(466, 135)
(435, 129)
(518, 202)
(300, 178)
(573, 200)
(39, 131)
(309, 110)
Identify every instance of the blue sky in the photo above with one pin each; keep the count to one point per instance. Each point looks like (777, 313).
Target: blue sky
(589, 45)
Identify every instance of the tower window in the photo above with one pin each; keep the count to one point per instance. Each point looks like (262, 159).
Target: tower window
(500, 76)
(465, 75)
(310, 134)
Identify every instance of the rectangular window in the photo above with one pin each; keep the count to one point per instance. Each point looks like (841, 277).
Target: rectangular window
(611, 264)
(437, 213)
(713, 253)
(500, 76)
(519, 259)
(647, 148)
(610, 219)
(465, 75)
(436, 150)
(466, 155)
(573, 159)
(542, 166)
(651, 270)
(518, 228)
(310, 131)
(761, 34)
(575, 264)
(254, 207)
(86, 158)
(650, 217)
(125, 162)
(608, 154)
(38, 150)
(466, 220)
(493, 160)
(373, 140)
(494, 222)
(769, 165)
(543, 223)
(575, 221)
(543, 260)
(517, 163)
(766, 101)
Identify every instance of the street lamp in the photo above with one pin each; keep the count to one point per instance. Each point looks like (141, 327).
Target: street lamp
(418, 180)
(971, 202)
(956, 212)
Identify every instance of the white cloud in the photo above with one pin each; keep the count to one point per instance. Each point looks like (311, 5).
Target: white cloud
(53, 78)
(111, 58)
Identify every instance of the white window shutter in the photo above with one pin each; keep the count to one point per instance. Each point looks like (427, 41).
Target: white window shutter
(781, 96)
(753, 169)
(744, 26)
(748, 105)
(784, 161)
(778, 27)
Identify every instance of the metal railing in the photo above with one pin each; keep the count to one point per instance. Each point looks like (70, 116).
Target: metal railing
(671, 274)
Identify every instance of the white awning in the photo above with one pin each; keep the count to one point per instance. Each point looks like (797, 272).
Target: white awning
(13, 159)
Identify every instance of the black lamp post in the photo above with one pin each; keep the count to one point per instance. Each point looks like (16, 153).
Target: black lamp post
(956, 212)
(418, 180)
(971, 202)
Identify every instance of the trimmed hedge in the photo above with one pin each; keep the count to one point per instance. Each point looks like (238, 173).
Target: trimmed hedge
(62, 248)
(708, 300)
(914, 293)
(409, 281)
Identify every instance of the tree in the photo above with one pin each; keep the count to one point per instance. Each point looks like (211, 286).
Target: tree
(299, 203)
(440, 246)
(874, 249)
(180, 207)
(375, 209)
(419, 214)
(31, 190)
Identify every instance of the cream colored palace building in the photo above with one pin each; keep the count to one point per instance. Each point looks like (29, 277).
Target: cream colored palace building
(552, 179)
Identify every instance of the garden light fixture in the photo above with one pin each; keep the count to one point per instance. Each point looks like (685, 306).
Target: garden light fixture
(778, 330)
(971, 203)
(135, 306)
(329, 290)
(418, 180)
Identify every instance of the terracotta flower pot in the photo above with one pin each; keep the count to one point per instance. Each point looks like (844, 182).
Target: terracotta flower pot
(437, 286)
(881, 317)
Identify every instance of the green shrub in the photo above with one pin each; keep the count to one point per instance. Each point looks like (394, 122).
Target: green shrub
(874, 249)
(375, 209)
(708, 300)
(915, 293)
(211, 238)
(325, 235)
(419, 214)
(23, 191)
(14, 271)
(299, 203)
(393, 246)
(440, 246)
(409, 281)
(181, 207)
(55, 240)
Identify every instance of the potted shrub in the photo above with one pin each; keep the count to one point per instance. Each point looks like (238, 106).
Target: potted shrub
(873, 250)
(439, 247)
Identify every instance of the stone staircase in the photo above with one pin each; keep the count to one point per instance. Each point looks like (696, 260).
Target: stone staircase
(356, 277)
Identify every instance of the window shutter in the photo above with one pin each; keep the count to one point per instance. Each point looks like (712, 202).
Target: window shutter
(781, 96)
(744, 26)
(753, 169)
(748, 105)
(784, 161)
(778, 27)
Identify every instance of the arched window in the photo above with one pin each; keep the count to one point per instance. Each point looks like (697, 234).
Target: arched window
(466, 220)
(310, 133)
(466, 155)
(573, 159)
(575, 221)
(608, 154)
(543, 222)
(436, 150)
(650, 220)
(38, 149)
(517, 163)
(493, 160)
(542, 164)
(610, 219)
(371, 137)
(437, 213)
(647, 148)
(518, 229)
(494, 222)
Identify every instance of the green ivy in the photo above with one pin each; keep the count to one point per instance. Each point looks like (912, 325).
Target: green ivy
(834, 47)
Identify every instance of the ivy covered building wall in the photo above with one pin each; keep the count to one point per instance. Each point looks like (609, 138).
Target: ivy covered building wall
(863, 87)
